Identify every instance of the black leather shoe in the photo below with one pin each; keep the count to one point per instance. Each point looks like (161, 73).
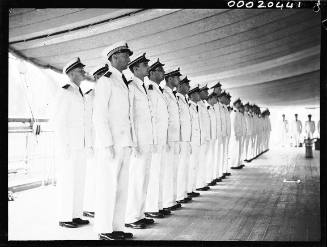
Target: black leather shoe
(242, 165)
(165, 211)
(154, 214)
(88, 214)
(136, 225)
(79, 221)
(188, 199)
(111, 236)
(212, 183)
(195, 194)
(146, 221)
(125, 235)
(223, 176)
(68, 224)
(175, 207)
(218, 180)
(206, 188)
(228, 174)
(236, 167)
(201, 189)
(182, 201)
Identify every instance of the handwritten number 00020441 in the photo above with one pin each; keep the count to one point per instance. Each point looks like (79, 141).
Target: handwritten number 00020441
(263, 4)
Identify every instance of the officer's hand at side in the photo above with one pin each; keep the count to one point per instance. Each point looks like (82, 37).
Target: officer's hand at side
(111, 152)
(154, 148)
(90, 151)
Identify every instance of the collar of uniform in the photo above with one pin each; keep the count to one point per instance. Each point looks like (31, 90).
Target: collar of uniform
(72, 84)
(181, 96)
(154, 84)
(138, 81)
(168, 89)
(192, 102)
(115, 71)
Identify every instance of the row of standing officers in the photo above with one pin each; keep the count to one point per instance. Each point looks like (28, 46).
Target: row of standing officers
(142, 150)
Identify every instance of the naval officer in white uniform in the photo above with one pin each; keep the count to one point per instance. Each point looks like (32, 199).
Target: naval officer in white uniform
(113, 141)
(194, 98)
(154, 200)
(170, 177)
(221, 132)
(69, 124)
(185, 144)
(205, 140)
(310, 128)
(89, 196)
(144, 138)
(213, 159)
(296, 130)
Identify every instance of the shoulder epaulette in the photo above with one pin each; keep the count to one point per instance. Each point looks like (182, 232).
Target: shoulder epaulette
(150, 87)
(66, 86)
(107, 74)
(89, 91)
(208, 107)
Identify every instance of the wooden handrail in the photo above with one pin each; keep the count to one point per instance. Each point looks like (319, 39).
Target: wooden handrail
(27, 120)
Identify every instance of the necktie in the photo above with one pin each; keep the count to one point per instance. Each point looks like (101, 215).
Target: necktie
(124, 79)
(144, 88)
(79, 89)
(197, 108)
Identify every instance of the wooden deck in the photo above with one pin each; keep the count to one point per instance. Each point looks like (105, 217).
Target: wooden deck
(254, 204)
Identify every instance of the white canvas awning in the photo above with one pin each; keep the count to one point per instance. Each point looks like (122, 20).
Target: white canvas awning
(270, 57)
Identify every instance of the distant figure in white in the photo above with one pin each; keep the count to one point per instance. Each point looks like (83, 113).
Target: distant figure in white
(310, 128)
(296, 131)
(285, 132)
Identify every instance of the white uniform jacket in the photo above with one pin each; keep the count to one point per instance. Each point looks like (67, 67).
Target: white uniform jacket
(141, 114)
(69, 118)
(248, 122)
(173, 120)
(213, 123)
(159, 111)
(89, 131)
(310, 128)
(297, 126)
(228, 120)
(243, 124)
(111, 111)
(195, 123)
(185, 118)
(204, 122)
(237, 123)
(285, 126)
(221, 122)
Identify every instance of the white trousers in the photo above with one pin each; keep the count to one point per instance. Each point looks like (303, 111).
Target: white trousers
(153, 202)
(70, 184)
(227, 157)
(237, 156)
(247, 147)
(203, 159)
(170, 176)
(211, 161)
(216, 161)
(111, 190)
(139, 174)
(194, 168)
(89, 195)
(219, 156)
(285, 140)
(252, 146)
(183, 171)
